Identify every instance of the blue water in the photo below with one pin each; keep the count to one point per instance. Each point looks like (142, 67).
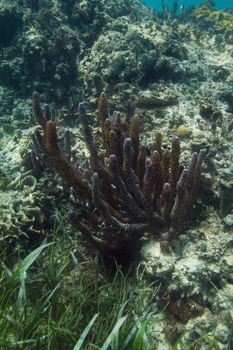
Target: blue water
(156, 4)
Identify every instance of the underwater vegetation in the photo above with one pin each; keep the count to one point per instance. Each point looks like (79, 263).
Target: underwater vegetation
(65, 304)
(129, 189)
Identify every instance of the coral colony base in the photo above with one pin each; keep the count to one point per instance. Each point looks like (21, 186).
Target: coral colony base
(129, 189)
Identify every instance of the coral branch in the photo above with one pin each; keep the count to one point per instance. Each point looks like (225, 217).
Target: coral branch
(134, 135)
(120, 185)
(88, 136)
(103, 114)
(37, 109)
(179, 208)
(63, 166)
(100, 204)
(133, 189)
(174, 163)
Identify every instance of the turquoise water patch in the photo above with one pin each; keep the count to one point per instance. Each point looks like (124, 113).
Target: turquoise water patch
(156, 4)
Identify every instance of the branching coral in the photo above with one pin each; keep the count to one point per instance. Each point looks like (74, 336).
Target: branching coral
(130, 190)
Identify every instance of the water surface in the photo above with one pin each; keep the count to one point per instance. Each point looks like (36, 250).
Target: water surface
(156, 4)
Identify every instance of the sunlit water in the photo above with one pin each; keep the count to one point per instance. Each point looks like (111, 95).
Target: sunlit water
(156, 4)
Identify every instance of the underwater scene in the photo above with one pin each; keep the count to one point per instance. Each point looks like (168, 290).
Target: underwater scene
(116, 175)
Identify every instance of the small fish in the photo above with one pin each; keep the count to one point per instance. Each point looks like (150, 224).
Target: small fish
(154, 102)
(182, 8)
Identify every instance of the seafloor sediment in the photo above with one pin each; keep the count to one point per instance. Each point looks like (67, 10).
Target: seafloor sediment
(72, 53)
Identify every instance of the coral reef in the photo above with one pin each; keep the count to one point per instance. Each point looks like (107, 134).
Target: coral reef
(133, 190)
(29, 203)
(10, 23)
(25, 212)
(196, 280)
(220, 21)
(176, 74)
(43, 42)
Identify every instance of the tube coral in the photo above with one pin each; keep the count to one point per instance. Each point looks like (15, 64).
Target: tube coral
(132, 190)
